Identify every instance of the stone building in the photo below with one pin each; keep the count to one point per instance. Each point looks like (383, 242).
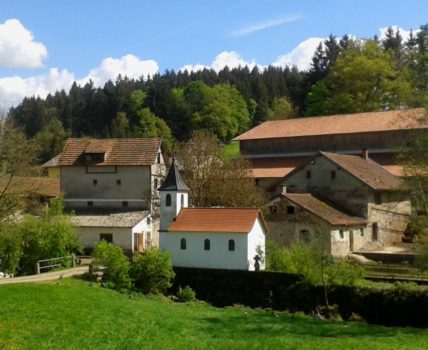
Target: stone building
(111, 185)
(275, 148)
(353, 198)
(224, 238)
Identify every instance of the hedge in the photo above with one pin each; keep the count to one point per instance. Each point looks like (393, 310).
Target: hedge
(283, 291)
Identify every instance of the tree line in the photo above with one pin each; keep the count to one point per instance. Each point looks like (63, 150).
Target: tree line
(347, 75)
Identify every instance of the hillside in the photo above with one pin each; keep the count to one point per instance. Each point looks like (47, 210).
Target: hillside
(71, 314)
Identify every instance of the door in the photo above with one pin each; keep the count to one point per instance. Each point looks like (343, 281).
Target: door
(351, 241)
(139, 242)
(375, 232)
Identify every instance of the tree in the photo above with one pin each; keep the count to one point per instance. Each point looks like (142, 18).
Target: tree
(213, 182)
(152, 271)
(281, 109)
(120, 125)
(50, 140)
(116, 263)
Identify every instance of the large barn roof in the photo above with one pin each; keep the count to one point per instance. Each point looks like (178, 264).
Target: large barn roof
(339, 124)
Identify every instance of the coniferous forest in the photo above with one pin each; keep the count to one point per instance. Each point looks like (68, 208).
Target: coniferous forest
(347, 75)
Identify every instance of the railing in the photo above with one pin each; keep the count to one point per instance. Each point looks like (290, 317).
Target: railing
(62, 261)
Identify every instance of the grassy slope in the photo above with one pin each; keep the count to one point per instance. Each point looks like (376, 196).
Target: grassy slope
(230, 151)
(70, 314)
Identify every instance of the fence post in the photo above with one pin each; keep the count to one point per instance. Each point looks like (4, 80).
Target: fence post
(73, 260)
(37, 268)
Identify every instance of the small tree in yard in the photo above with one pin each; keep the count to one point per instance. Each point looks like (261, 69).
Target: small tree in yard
(116, 263)
(152, 271)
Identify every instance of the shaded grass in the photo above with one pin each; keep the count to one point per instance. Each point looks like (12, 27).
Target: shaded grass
(71, 314)
(230, 151)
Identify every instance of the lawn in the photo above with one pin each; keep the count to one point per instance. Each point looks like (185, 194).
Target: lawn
(72, 314)
(230, 151)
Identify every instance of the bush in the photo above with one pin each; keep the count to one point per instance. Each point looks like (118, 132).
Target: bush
(10, 249)
(116, 263)
(186, 295)
(152, 271)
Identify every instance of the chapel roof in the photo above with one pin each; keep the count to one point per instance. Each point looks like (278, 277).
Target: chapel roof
(216, 220)
(173, 181)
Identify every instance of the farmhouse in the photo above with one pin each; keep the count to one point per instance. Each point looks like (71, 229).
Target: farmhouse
(111, 185)
(353, 199)
(275, 148)
(225, 238)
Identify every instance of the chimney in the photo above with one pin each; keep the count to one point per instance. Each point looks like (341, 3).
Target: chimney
(365, 154)
(284, 189)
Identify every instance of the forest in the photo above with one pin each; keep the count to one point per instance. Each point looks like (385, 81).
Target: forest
(347, 75)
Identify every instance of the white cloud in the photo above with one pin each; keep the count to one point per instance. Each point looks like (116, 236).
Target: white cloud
(18, 48)
(231, 59)
(263, 25)
(14, 89)
(128, 65)
(403, 32)
(301, 55)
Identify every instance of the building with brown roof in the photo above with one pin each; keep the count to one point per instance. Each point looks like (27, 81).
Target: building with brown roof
(354, 199)
(277, 147)
(224, 238)
(112, 176)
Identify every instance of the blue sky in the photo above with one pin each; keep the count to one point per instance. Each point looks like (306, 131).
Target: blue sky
(50, 43)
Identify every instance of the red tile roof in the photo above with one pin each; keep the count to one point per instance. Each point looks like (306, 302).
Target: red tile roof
(42, 186)
(274, 167)
(236, 220)
(132, 151)
(339, 124)
(366, 170)
(324, 211)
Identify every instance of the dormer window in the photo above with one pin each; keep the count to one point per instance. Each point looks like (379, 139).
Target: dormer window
(93, 158)
(158, 158)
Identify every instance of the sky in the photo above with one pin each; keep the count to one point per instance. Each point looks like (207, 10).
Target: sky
(46, 45)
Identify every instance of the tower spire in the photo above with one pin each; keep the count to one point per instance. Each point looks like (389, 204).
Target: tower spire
(174, 181)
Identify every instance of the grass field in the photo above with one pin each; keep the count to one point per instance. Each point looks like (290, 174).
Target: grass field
(230, 151)
(71, 314)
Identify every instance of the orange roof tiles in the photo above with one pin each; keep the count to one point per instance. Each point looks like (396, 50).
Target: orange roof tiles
(42, 186)
(236, 220)
(131, 151)
(275, 167)
(323, 210)
(339, 124)
(367, 170)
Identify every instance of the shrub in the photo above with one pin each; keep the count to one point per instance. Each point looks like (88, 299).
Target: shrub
(152, 271)
(11, 249)
(116, 263)
(186, 295)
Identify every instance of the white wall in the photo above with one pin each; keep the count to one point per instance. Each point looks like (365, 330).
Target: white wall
(167, 214)
(90, 236)
(256, 239)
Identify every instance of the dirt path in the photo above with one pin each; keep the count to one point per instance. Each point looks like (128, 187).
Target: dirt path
(48, 276)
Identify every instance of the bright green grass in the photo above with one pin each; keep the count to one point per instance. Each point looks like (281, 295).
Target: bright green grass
(230, 151)
(70, 314)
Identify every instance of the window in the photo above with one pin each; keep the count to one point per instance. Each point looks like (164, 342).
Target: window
(118, 182)
(257, 182)
(308, 174)
(108, 237)
(124, 203)
(149, 221)
(273, 210)
(378, 198)
(290, 210)
(183, 244)
(207, 244)
(375, 231)
(304, 236)
(231, 245)
(341, 234)
(158, 158)
(361, 232)
(90, 204)
(182, 200)
(94, 182)
(333, 174)
(155, 184)
(168, 200)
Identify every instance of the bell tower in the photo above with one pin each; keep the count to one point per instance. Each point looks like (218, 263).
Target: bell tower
(174, 195)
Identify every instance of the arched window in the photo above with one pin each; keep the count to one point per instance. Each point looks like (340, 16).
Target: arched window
(168, 200)
(207, 245)
(182, 200)
(183, 244)
(305, 236)
(231, 245)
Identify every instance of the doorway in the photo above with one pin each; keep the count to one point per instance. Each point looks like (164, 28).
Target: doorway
(375, 232)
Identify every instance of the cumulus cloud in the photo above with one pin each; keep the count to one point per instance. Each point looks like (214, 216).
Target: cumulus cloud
(128, 65)
(263, 25)
(14, 89)
(403, 32)
(18, 48)
(301, 55)
(231, 59)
